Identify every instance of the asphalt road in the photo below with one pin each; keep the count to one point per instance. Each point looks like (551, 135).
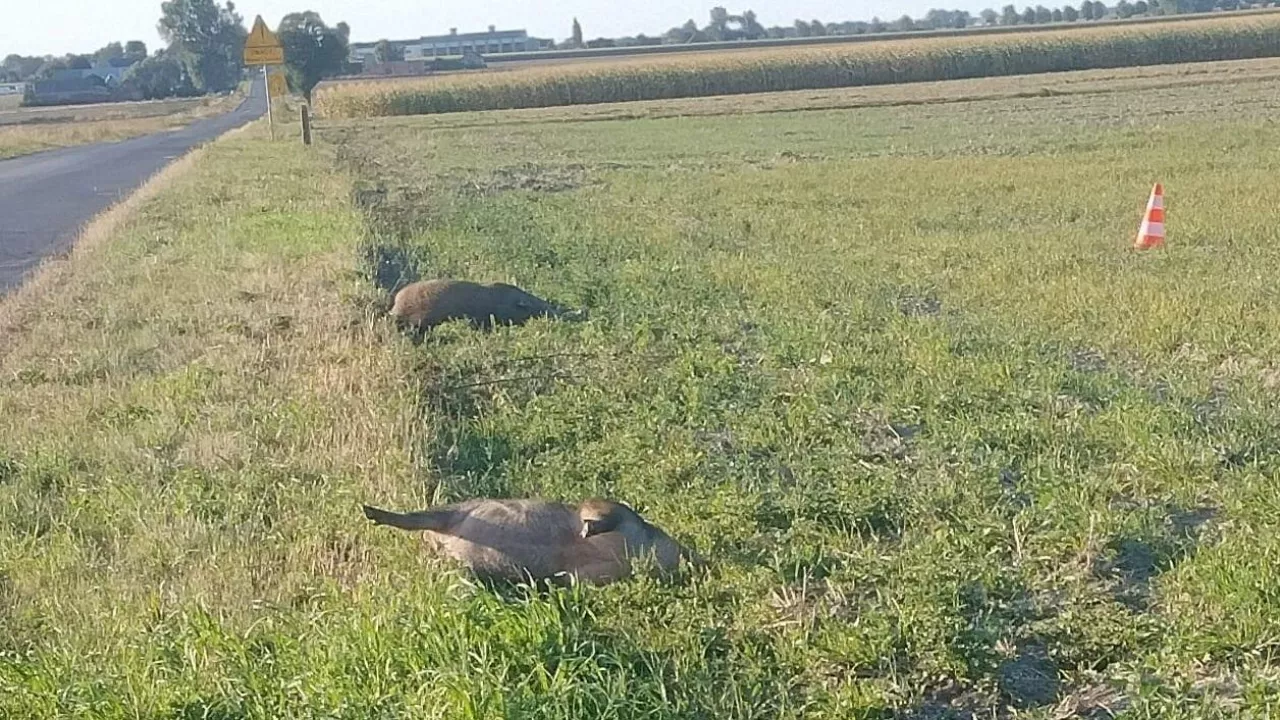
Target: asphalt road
(46, 198)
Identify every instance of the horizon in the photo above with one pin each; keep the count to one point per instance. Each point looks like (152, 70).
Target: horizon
(37, 29)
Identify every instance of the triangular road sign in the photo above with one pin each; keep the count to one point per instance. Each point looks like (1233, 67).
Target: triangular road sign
(260, 36)
(262, 47)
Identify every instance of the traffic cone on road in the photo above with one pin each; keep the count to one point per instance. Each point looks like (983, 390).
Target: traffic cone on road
(1151, 232)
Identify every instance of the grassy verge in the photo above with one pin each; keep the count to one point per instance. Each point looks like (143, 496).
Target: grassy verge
(28, 130)
(190, 412)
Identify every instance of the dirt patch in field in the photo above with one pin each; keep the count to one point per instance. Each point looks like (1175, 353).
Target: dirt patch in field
(919, 305)
(884, 441)
(530, 177)
(1087, 360)
(1130, 563)
(914, 301)
(1029, 679)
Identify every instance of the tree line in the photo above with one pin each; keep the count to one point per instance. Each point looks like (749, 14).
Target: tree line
(724, 26)
(203, 53)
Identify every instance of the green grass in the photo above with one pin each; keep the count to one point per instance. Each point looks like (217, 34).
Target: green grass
(949, 444)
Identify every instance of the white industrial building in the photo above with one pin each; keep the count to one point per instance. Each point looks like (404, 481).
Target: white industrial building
(493, 42)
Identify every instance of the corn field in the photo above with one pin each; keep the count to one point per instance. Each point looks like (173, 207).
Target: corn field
(806, 68)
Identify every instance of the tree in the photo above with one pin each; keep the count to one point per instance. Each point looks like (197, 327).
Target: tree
(135, 51)
(49, 67)
(1010, 16)
(751, 26)
(312, 50)
(111, 51)
(1124, 9)
(1043, 15)
(24, 68)
(1086, 10)
(1141, 8)
(990, 17)
(687, 33)
(1069, 14)
(802, 29)
(575, 36)
(209, 39)
(817, 29)
(1029, 16)
(385, 51)
(1057, 15)
(718, 27)
(160, 76)
(941, 19)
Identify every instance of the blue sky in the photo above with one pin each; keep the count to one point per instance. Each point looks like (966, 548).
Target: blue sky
(37, 27)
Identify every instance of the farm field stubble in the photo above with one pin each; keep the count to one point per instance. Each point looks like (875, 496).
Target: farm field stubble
(27, 130)
(951, 447)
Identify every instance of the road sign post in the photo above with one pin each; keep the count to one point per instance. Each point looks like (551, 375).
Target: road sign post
(306, 125)
(262, 47)
(271, 123)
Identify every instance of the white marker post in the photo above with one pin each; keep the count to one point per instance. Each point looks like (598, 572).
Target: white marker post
(271, 123)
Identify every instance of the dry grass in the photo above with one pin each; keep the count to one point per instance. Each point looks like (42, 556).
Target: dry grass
(797, 68)
(48, 281)
(205, 337)
(27, 130)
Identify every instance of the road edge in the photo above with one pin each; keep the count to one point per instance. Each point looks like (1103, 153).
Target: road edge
(19, 305)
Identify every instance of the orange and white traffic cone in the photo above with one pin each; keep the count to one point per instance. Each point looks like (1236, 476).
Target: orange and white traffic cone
(1151, 232)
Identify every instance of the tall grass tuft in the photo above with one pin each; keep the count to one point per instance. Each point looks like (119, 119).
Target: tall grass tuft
(779, 69)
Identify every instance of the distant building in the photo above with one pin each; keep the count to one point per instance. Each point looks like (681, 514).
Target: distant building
(69, 90)
(493, 42)
(13, 89)
(395, 67)
(100, 83)
(111, 74)
(470, 60)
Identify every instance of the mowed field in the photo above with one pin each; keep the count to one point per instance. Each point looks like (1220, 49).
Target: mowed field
(28, 130)
(950, 446)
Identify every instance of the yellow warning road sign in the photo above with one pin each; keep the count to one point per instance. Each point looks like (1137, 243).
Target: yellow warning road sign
(262, 46)
(263, 56)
